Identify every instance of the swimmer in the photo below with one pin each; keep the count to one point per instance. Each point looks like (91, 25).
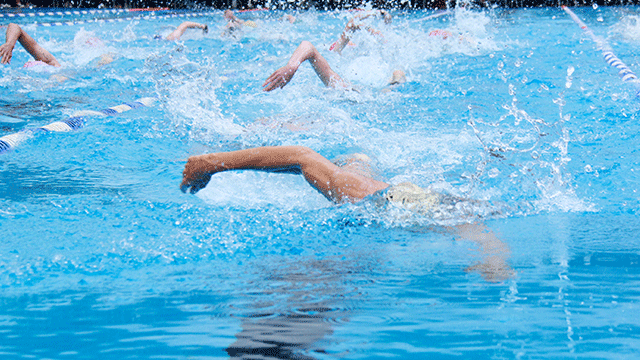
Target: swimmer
(356, 23)
(290, 18)
(177, 33)
(346, 185)
(234, 24)
(306, 51)
(14, 34)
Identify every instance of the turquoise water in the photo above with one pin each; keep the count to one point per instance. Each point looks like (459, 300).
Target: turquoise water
(103, 257)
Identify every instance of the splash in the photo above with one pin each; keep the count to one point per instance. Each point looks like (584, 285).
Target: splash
(188, 91)
(629, 28)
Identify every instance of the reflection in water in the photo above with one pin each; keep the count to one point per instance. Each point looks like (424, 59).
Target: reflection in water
(281, 336)
(296, 312)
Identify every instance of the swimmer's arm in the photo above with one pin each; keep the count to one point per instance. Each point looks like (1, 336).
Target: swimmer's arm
(15, 33)
(494, 267)
(177, 33)
(305, 51)
(199, 169)
(326, 177)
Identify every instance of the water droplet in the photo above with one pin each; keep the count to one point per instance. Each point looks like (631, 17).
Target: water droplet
(595, 6)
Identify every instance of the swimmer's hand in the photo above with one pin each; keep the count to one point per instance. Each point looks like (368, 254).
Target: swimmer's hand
(6, 52)
(196, 175)
(280, 77)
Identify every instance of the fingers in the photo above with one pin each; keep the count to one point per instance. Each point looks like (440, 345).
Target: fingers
(6, 55)
(279, 78)
(276, 80)
(273, 84)
(193, 179)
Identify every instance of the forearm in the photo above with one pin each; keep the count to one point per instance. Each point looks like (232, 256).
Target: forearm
(264, 158)
(341, 43)
(13, 34)
(306, 51)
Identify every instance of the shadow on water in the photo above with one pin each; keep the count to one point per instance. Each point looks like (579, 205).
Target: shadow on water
(282, 336)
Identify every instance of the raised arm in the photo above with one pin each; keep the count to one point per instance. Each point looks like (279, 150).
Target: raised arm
(305, 51)
(335, 183)
(177, 33)
(356, 24)
(14, 34)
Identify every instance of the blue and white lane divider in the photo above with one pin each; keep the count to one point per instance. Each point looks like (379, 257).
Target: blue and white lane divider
(59, 13)
(623, 70)
(437, 14)
(123, 19)
(51, 12)
(75, 122)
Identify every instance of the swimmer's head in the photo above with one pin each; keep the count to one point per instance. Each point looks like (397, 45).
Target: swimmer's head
(444, 34)
(228, 14)
(35, 64)
(412, 197)
(87, 39)
(94, 42)
(250, 23)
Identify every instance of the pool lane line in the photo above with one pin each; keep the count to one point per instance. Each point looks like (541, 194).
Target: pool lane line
(61, 13)
(252, 10)
(626, 74)
(121, 19)
(74, 12)
(73, 123)
(432, 16)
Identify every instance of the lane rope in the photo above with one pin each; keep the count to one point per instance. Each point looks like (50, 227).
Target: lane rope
(75, 122)
(73, 12)
(432, 16)
(626, 74)
(123, 19)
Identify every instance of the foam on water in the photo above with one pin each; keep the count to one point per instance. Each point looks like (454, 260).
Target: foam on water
(629, 28)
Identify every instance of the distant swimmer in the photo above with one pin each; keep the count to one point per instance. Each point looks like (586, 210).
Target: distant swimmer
(177, 33)
(290, 18)
(349, 184)
(234, 24)
(40, 54)
(306, 51)
(357, 23)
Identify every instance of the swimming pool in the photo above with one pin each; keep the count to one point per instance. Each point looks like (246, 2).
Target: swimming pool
(102, 256)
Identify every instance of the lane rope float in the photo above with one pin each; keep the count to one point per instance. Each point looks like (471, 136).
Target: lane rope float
(123, 19)
(626, 74)
(432, 16)
(73, 12)
(73, 123)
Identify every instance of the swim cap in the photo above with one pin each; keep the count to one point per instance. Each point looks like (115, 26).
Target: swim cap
(35, 63)
(250, 23)
(444, 34)
(414, 198)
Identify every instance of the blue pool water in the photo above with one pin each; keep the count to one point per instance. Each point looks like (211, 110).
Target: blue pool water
(103, 257)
